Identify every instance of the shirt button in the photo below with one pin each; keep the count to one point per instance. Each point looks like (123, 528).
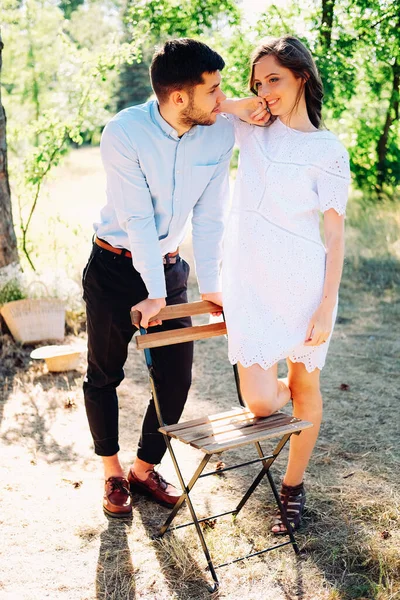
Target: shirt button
(178, 171)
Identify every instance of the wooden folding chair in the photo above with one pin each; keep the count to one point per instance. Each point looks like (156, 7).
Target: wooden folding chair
(217, 433)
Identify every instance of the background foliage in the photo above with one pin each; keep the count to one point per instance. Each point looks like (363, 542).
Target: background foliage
(68, 67)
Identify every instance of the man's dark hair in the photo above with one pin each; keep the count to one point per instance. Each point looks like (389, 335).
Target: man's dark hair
(180, 64)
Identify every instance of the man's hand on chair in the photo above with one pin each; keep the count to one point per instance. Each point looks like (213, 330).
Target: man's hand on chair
(149, 308)
(216, 298)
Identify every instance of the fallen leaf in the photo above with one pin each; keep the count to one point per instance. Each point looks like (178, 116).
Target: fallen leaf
(69, 403)
(76, 484)
(208, 524)
(220, 465)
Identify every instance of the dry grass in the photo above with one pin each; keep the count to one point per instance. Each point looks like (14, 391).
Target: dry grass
(56, 542)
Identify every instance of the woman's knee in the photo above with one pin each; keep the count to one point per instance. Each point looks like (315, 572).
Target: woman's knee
(260, 408)
(261, 402)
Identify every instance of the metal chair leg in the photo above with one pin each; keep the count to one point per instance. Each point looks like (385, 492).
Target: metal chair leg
(186, 489)
(266, 466)
(283, 514)
(285, 520)
(185, 496)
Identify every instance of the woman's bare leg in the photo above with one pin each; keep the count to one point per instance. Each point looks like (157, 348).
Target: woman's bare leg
(307, 405)
(263, 393)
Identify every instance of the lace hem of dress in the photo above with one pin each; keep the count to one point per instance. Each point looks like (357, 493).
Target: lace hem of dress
(309, 365)
(311, 362)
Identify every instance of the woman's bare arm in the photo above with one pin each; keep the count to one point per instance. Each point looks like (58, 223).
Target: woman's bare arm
(320, 325)
(253, 109)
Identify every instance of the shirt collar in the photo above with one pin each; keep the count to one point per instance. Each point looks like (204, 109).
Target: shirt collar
(166, 127)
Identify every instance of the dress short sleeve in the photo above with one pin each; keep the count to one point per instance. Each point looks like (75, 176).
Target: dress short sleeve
(333, 181)
(242, 129)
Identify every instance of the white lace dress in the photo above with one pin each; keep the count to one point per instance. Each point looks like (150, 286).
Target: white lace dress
(274, 260)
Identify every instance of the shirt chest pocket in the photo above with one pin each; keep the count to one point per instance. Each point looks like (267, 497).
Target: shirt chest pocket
(201, 176)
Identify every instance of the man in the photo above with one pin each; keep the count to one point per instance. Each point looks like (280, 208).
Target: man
(166, 161)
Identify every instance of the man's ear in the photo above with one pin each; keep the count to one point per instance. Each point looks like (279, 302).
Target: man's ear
(179, 99)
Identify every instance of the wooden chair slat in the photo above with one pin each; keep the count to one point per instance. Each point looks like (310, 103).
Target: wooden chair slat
(194, 434)
(206, 419)
(190, 434)
(178, 336)
(215, 446)
(178, 311)
(234, 430)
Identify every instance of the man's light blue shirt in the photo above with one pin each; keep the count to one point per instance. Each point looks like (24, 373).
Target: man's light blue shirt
(156, 181)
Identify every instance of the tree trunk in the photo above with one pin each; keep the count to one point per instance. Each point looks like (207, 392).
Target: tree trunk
(325, 32)
(391, 115)
(8, 241)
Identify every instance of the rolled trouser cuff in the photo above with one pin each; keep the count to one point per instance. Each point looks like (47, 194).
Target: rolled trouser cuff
(107, 447)
(154, 450)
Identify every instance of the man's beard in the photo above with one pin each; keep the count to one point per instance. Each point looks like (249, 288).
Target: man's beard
(191, 116)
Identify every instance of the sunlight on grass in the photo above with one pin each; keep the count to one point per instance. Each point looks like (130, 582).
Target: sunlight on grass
(372, 229)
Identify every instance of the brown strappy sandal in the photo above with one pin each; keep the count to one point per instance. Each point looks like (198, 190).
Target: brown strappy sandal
(293, 499)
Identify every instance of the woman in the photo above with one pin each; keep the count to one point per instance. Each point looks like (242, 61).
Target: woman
(280, 283)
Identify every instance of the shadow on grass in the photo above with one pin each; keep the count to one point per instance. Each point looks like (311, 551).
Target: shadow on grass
(64, 381)
(12, 358)
(115, 574)
(32, 423)
(185, 578)
(35, 426)
(344, 554)
(296, 591)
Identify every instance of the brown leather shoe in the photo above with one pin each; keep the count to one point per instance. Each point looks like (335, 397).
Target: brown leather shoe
(117, 501)
(155, 486)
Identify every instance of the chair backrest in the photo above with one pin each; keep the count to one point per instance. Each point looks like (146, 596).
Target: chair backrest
(184, 334)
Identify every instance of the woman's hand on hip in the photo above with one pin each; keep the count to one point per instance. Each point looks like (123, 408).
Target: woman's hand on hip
(320, 327)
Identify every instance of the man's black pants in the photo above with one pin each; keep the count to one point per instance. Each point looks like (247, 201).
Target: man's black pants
(111, 286)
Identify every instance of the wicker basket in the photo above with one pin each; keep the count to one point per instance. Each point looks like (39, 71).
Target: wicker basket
(35, 319)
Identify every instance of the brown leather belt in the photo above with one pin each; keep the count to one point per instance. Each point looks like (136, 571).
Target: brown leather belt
(168, 259)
